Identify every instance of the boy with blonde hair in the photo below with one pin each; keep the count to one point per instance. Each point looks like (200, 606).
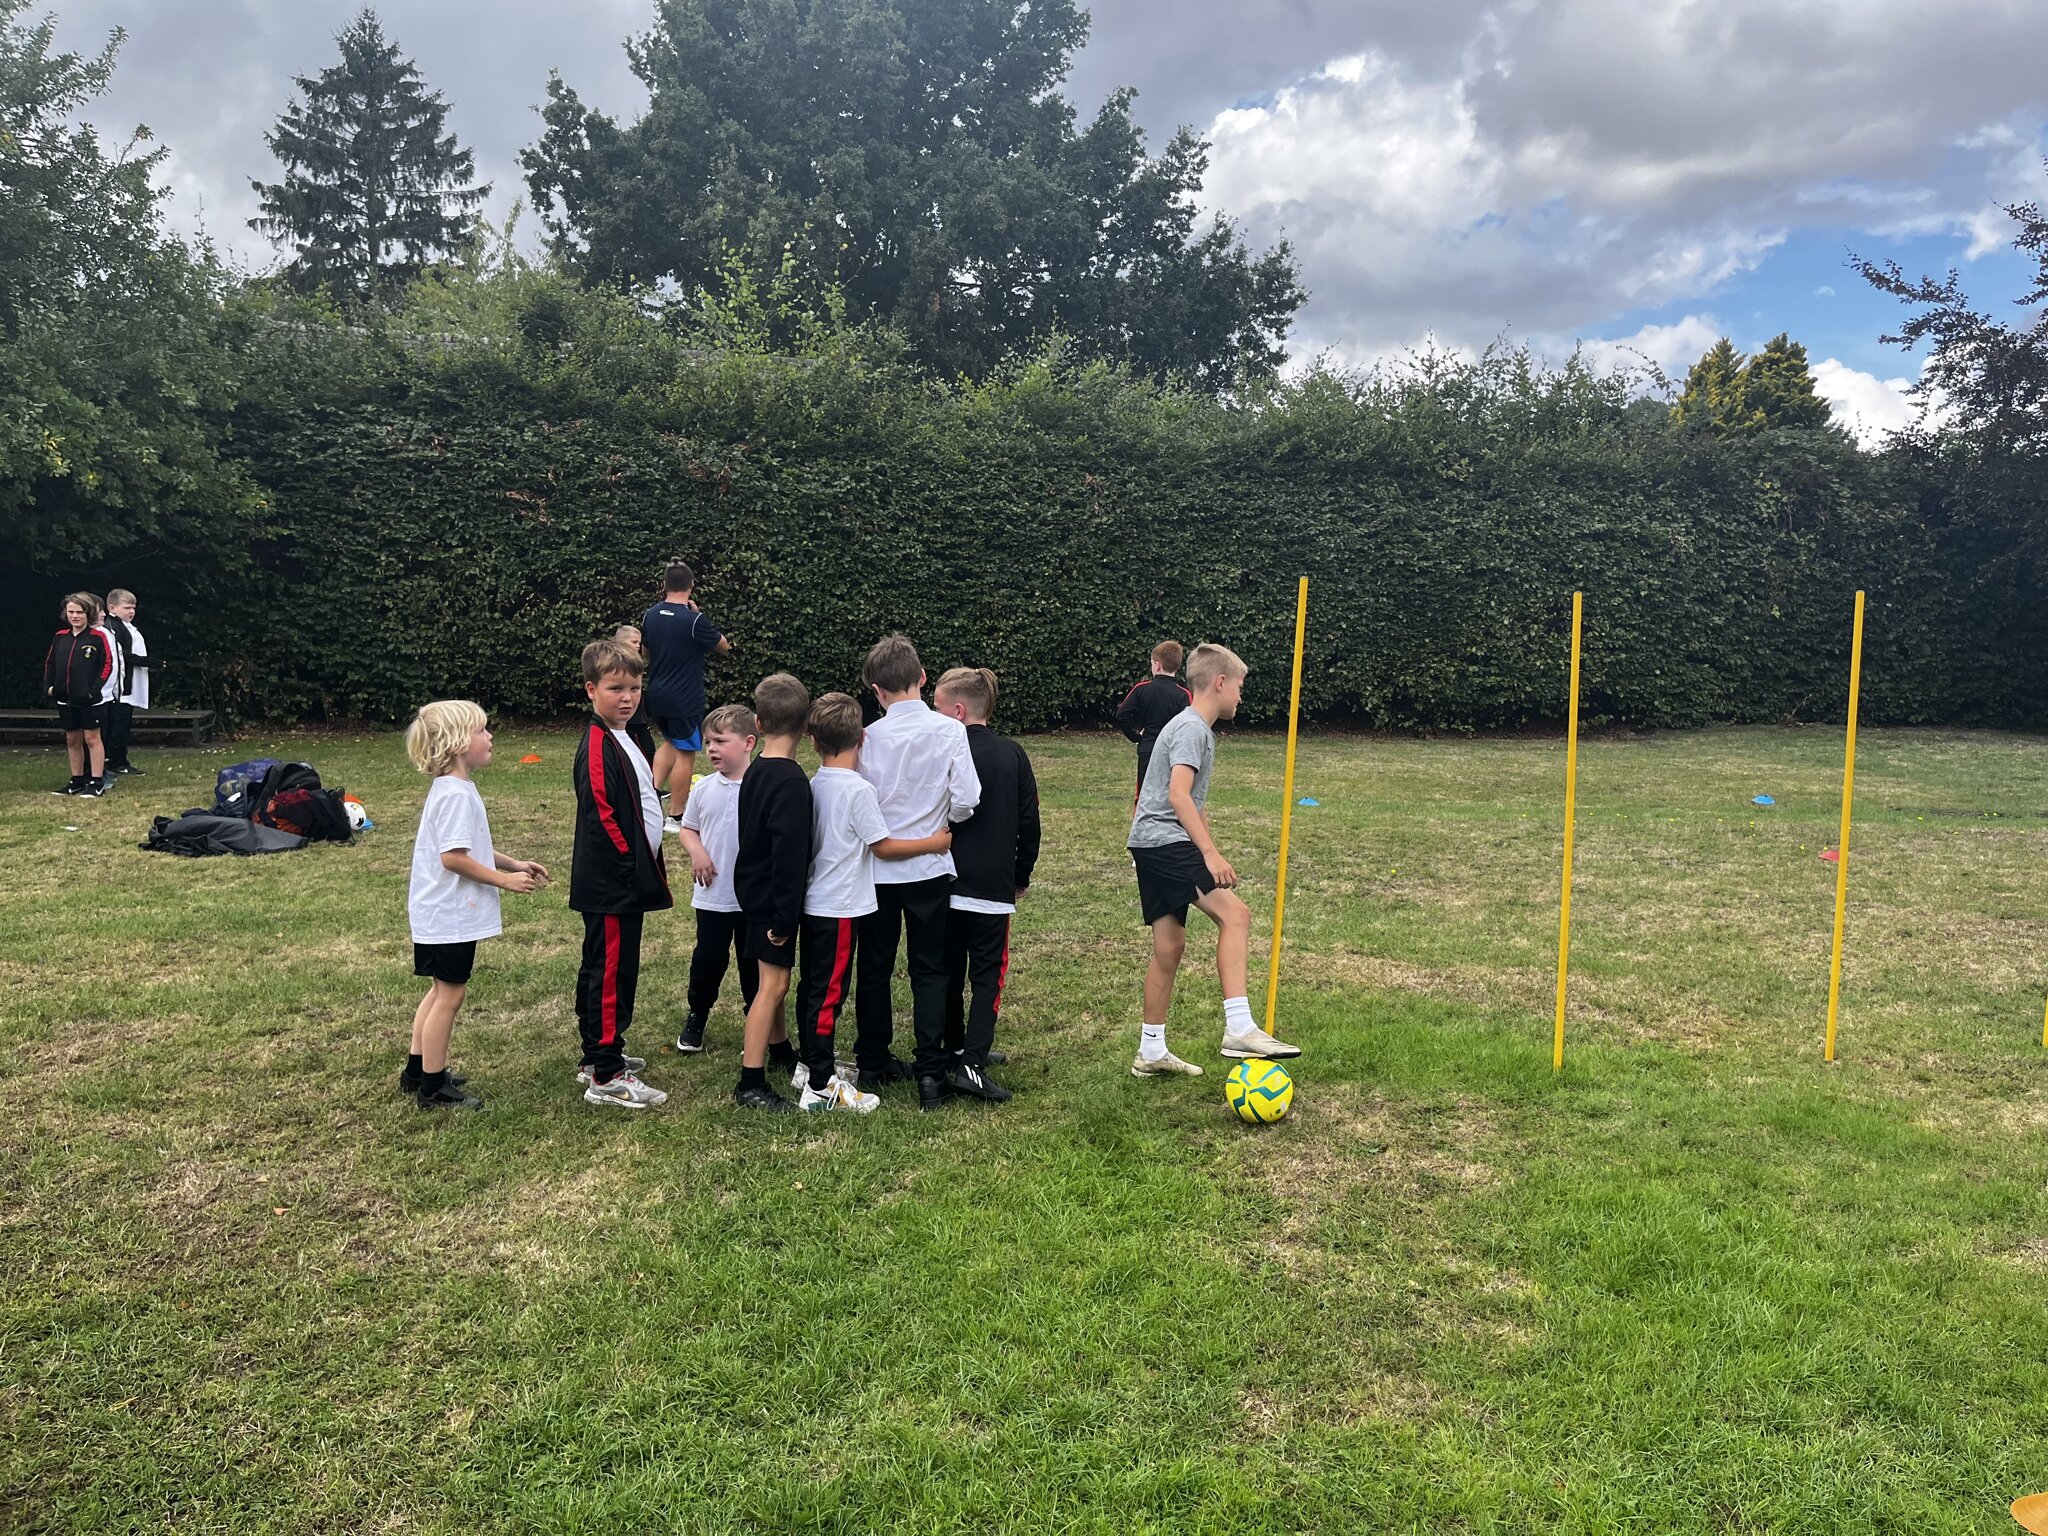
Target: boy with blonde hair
(451, 902)
(710, 833)
(1180, 866)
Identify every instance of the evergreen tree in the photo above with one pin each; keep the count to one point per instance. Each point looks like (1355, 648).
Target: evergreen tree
(1714, 396)
(1778, 387)
(373, 187)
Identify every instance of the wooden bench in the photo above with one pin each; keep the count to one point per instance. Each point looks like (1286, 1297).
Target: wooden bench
(187, 725)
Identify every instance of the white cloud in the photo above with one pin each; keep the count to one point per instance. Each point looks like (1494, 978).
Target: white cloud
(1672, 348)
(1869, 407)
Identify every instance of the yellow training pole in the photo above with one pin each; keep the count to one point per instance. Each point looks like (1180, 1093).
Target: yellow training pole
(1842, 846)
(1286, 810)
(1571, 789)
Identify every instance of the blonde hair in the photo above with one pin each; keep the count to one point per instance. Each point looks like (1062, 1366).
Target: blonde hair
(119, 596)
(601, 658)
(440, 733)
(731, 720)
(973, 686)
(1210, 662)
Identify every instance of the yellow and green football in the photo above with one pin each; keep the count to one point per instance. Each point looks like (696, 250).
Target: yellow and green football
(1260, 1091)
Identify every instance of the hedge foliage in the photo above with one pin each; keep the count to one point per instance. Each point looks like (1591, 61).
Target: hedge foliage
(440, 519)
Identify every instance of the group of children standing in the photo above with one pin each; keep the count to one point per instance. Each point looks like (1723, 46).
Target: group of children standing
(917, 833)
(96, 672)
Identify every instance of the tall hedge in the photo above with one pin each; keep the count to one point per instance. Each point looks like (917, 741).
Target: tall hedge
(458, 520)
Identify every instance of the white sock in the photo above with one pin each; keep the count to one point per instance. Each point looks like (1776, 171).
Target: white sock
(1237, 1016)
(1152, 1042)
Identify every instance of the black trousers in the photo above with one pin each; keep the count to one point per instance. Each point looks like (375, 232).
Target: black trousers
(977, 960)
(826, 949)
(914, 914)
(719, 937)
(117, 723)
(605, 986)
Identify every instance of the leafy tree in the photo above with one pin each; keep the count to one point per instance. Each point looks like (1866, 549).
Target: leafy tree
(116, 368)
(1714, 397)
(373, 187)
(1778, 386)
(917, 155)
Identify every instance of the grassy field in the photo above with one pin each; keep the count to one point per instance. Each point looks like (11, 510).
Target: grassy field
(1697, 1283)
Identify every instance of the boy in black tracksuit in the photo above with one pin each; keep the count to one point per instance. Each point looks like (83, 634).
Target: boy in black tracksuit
(616, 875)
(994, 852)
(76, 669)
(769, 874)
(1153, 702)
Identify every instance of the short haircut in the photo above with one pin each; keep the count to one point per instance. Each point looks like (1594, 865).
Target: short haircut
(119, 596)
(731, 720)
(782, 705)
(440, 733)
(678, 578)
(626, 629)
(1210, 662)
(835, 724)
(892, 665)
(85, 600)
(1167, 655)
(973, 686)
(601, 658)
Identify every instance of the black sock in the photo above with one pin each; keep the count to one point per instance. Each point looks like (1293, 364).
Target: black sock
(753, 1077)
(782, 1053)
(432, 1083)
(412, 1065)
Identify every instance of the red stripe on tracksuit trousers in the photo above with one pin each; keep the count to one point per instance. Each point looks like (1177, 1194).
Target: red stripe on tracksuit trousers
(825, 947)
(977, 968)
(606, 984)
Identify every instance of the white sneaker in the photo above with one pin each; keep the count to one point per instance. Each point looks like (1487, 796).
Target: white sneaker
(838, 1094)
(799, 1078)
(671, 825)
(626, 1092)
(1256, 1045)
(1168, 1065)
(631, 1063)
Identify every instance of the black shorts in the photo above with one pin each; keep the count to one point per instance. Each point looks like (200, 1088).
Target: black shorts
(757, 947)
(80, 717)
(451, 963)
(1169, 880)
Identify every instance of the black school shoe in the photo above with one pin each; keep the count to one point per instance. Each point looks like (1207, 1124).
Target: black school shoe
(75, 787)
(893, 1070)
(971, 1080)
(409, 1082)
(691, 1041)
(99, 786)
(932, 1093)
(124, 768)
(448, 1096)
(762, 1097)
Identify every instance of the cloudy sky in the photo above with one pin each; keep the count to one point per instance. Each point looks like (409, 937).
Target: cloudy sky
(1639, 176)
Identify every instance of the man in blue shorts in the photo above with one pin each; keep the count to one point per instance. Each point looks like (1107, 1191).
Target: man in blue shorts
(677, 638)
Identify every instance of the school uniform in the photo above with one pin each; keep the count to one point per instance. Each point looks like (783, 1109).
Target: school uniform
(616, 876)
(924, 779)
(774, 855)
(713, 813)
(994, 853)
(131, 694)
(449, 914)
(1145, 711)
(839, 890)
(76, 670)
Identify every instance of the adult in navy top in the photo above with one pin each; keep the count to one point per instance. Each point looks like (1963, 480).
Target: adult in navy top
(677, 638)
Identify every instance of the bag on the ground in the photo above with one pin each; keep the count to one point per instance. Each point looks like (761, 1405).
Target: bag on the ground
(316, 814)
(196, 835)
(234, 788)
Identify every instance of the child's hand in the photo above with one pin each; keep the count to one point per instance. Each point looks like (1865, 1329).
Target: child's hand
(945, 839)
(537, 869)
(521, 880)
(702, 870)
(1220, 871)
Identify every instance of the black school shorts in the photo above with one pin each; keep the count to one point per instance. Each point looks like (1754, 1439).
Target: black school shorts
(451, 963)
(80, 717)
(759, 948)
(1169, 880)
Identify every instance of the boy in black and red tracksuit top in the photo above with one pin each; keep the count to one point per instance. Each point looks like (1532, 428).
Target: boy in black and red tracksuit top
(1153, 702)
(616, 875)
(994, 852)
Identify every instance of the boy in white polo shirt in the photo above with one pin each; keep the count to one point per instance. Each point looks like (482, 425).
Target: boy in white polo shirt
(711, 836)
(848, 835)
(924, 779)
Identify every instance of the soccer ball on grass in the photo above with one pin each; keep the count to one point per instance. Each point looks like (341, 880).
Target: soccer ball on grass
(1260, 1091)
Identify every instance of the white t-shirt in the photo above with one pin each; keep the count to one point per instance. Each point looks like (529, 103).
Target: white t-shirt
(650, 803)
(846, 823)
(713, 813)
(117, 675)
(444, 907)
(138, 677)
(982, 904)
(924, 779)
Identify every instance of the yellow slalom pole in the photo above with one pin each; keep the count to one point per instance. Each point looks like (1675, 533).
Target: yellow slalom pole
(2044, 1029)
(1286, 810)
(1842, 846)
(1571, 791)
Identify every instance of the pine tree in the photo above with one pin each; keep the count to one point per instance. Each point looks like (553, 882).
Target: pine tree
(1714, 396)
(373, 188)
(1778, 386)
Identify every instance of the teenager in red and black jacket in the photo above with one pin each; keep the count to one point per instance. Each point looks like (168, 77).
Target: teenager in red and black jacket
(616, 875)
(1153, 702)
(75, 673)
(994, 853)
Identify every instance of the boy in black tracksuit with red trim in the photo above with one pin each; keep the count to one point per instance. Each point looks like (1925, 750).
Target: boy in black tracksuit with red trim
(769, 874)
(616, 875)
(994, 852)
(1153, 702)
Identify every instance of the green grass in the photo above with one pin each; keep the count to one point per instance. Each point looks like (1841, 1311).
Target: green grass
(1696, 1283)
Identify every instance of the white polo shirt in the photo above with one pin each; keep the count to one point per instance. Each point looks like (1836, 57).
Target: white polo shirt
(924, 780)
(846, 823)
(713, 813)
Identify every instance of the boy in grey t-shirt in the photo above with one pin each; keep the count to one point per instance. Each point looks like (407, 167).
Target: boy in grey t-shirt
(1179, 867)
